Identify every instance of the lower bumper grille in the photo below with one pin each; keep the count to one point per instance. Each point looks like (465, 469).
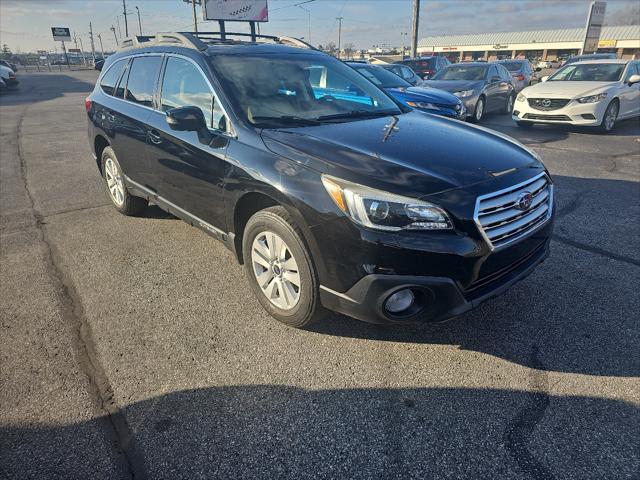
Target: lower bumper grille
(510, 214)
(556, 118)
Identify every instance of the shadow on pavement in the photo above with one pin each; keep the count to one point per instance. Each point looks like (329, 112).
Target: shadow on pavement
(269, 432)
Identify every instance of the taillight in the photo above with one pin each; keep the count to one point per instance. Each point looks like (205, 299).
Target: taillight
(87, 104)
(519, 77)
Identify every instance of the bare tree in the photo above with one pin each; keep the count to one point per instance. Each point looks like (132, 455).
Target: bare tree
(330, 48)
(349, 48)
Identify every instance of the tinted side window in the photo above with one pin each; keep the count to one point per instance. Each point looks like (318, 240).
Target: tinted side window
(111, 76)
(183, 85)
(493, 72)
(504, 73)
(407, 74)
(632, 70)
(142, 79)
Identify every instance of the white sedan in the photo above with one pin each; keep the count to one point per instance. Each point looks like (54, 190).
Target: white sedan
(591, 93)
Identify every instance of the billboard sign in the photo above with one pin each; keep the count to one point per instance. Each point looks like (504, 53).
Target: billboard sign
(594, 26)
(236, 10)
(61, 34)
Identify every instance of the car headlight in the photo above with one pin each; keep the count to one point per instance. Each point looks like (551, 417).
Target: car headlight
(593, 98)
(463, 93)
(384, 211)
(423, 105)
(521, 98)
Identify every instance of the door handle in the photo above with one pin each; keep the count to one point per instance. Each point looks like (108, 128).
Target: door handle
(154, 136)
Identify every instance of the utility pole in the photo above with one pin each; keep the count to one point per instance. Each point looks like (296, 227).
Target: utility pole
(124, 11)
(84, 60)
(195, 16)
(339, 33)
(93, 46)
(101, 49)
(414, 31)
(119, 31)
(139, 22)
(113, 29)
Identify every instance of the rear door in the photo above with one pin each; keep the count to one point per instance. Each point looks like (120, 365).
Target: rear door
(492, 90)
(190, 173)
(130, 123)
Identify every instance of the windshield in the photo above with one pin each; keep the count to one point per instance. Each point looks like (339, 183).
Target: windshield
(381, 77)
(512, 66)
(589, 72)
(462, 72)
(298, 89)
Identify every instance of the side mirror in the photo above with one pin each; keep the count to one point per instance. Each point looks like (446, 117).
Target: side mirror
(634, 79)
(495, 78)
(99, 64)
(538, 69)
(544, 79)
(189, 119)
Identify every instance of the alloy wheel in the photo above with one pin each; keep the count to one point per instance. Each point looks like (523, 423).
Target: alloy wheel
(276, 270)
(610, 116)
(114, 182)
(479, 110)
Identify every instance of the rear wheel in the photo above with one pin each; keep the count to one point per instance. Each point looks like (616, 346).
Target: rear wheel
(610, 116)
(124, 202)
(478, 112)
(280, 269)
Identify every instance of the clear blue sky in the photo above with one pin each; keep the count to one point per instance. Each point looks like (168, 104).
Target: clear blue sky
(25, 24)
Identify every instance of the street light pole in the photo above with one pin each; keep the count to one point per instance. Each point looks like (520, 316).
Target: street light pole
(101, 48)
(113, 29)
(139, 22)
(414, 31)
(309, 25)
(339, 33)
(126, 24)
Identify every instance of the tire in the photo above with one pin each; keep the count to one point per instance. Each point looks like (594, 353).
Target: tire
(117, 192)
(524, 124)
(508, 108)
(478, 111)
(278, 297)
(610, 117)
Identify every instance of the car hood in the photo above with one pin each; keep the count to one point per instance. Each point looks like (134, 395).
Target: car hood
(564, 89)
(454, 85)
(414, 154)
(424, 93)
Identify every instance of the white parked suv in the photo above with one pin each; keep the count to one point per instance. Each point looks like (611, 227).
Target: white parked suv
(591, 93)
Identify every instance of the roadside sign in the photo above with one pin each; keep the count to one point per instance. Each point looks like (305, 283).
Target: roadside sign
(593, 27)
(606, 43)
(42, 52)
(236, 10)
(73, 50)
(61, 34)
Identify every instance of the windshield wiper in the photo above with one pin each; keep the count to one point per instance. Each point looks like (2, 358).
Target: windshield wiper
(286, 120)
(359, 114)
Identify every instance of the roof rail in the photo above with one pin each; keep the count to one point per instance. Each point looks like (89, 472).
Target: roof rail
(199, 40)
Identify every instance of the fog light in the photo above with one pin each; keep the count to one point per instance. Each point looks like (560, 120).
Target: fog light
(399, 301)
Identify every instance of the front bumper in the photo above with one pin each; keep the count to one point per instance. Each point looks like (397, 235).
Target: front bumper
(437, 298)
(574, 113)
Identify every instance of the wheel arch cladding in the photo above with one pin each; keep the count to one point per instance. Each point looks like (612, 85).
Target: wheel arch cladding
(99, 144)
(245, 207)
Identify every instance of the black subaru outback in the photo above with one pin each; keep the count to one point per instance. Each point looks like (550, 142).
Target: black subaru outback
(333, 195)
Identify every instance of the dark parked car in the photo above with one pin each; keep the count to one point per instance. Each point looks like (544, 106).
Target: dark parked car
(404, 72)
(430, 100)
(483, 87)
(589, 56)
(425, 67)
(356, 205)
(521, 71)
(12, 66)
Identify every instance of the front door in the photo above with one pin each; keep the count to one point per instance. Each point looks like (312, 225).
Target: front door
(190, 173)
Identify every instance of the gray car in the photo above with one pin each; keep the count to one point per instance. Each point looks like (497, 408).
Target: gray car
(483, 87)
(521, 71)
(405, 73)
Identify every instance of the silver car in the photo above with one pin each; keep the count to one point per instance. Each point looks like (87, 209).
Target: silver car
(521, 71)
(482, 87)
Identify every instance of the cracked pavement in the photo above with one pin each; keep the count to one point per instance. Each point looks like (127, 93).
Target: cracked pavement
(133, 348)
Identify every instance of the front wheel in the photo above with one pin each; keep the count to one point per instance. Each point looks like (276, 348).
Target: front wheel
(478, 112)
(508, 108)
(280, 269)
(610, 116)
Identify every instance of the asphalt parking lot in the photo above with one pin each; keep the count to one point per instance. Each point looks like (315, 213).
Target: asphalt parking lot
(133, 347)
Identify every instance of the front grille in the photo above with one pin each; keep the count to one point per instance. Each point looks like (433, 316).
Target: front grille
(557, 118)
(503, 217)
(547, 104)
